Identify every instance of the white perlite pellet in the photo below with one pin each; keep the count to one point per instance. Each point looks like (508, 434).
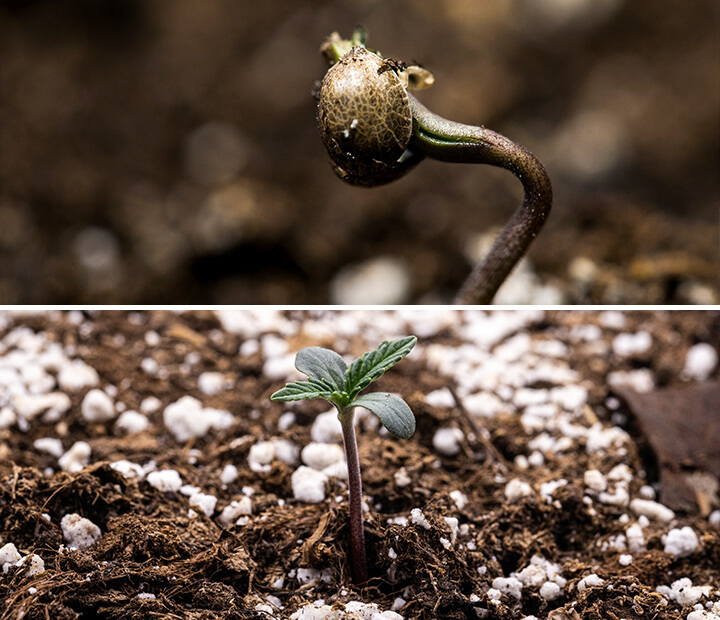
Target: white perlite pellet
(484, 404)
(76, 458)
(620, 472)
(550, 591)
(228, 474)
(548, 488)
(274, 601)
(440, 398)
(128, 469)
(286, 420)
(417, 517)
(595, 480)
(680, 542)
(336, 470)
(590, 581)
(326, 428)
(526, 397)
(517, 489)
(370, 611)
(51, 445)
(322, 455)
(77, 375)
(211, 383)
(569, 397)
(646, 492)
(308, 484)
(640, 379)
(36, 564)
(205, 502)
(251, 323)
(166, 480)
(494, 596)
(150, 404)
(286, 451)
(683, 592)
(186, 418)
(600, 439)
(97, 406)
(277, 368)
(454, 528)
(382, 280)
(652, 510)
(273, 345)
(150, 366)
(235, 509)
(700, 361)
(539, 572)
(536, 459)
(132, 422)
(459, 498)
(635, 538)
(612, 319)
(701, 614)
(617, 543)
(619, 497)
(508, 585)
(189, 490)
(402, 479)
(626, 345)
(53, 405)
(307, 575)
(446, 441)
(7, 417)
(78, 531)
(261, 456)
(354, 609)
(9, 557)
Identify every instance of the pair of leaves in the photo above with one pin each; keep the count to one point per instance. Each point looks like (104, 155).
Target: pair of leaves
(329, 377)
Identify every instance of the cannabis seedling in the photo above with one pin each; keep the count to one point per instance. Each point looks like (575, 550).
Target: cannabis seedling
(375, 131)
(330, 378)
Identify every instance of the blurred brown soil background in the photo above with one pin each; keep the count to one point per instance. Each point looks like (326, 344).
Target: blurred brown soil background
(165, 151)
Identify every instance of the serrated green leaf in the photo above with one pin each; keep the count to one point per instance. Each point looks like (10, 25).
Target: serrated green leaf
(322, 364)
(373, 364)
(312, 388)
(394, 413)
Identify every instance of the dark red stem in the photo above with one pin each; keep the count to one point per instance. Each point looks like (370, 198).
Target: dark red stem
(358, 559)
(446, 140)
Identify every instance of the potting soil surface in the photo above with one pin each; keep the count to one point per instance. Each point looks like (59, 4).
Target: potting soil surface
(144, 471)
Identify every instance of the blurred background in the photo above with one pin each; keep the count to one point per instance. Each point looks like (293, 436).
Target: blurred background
(166, 151)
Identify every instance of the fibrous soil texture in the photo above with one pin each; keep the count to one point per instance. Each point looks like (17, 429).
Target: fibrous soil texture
(144, 471)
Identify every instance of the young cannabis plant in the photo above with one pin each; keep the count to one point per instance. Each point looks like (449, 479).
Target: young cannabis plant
(375, 131)
(330, 378)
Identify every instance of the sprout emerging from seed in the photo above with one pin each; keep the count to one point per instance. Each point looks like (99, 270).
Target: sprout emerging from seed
(375, 131)
(330, 378)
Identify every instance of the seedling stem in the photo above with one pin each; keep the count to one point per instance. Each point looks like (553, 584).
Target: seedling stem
(358, 559)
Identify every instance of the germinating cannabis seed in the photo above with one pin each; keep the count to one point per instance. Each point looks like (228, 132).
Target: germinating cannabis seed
(364, 118)
(375, 132)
